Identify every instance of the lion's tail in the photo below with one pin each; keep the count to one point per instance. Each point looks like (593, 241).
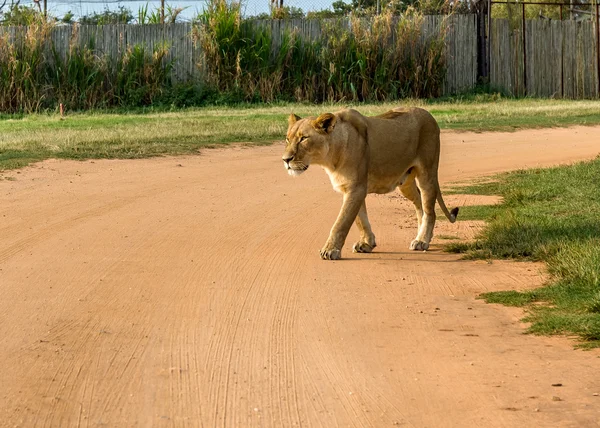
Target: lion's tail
(450, 214)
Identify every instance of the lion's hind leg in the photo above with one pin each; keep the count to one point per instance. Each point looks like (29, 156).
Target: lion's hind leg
(367, 238)
(428, 189)
(411, 192)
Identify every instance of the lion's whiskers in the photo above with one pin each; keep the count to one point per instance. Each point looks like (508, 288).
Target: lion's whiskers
(300, 165)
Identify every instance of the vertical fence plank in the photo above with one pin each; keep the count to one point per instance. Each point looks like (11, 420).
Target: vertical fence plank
(570, 53)
(529, 59)
(556, 56)
(589, 55)
(449, 83)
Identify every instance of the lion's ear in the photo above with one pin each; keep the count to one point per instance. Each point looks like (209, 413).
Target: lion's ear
(293, 119)
(324, 122)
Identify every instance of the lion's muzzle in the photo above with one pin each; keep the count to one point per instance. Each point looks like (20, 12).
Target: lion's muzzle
(294, 168)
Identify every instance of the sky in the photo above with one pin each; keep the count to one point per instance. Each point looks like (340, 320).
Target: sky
(84, 7)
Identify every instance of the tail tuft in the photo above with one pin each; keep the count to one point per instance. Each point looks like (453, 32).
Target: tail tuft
(454, 214)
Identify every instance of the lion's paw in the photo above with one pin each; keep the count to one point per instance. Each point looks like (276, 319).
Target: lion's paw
(363, 247)
(418, 245)
(328, 253)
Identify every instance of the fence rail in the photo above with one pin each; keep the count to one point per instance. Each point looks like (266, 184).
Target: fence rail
(558, 58)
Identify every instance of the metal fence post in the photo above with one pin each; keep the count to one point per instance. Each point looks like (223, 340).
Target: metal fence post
(488, 70)
(598, 47)
(524, 54)
(483, 47)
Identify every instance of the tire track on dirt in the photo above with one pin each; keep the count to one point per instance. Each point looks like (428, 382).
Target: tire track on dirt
(66, 368)
(74, 217)
(354, 391)
(165, 311)
(283, 341)
(94, 333)
(260, 285)
(56, 228)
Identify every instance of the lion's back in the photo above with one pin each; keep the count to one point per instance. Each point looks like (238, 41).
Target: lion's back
(400, 137)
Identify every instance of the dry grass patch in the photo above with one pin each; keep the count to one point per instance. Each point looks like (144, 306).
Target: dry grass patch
(143, 133)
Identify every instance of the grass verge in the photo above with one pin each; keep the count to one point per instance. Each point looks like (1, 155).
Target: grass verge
(548, 215)
(146, 132)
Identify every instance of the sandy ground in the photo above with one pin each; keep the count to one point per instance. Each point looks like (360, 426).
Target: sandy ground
(189, 292)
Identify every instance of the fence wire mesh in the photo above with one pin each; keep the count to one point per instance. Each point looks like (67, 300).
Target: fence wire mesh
(251, 8)
(296, 8)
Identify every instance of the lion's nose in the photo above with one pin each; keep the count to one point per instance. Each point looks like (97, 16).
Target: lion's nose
(287, 159)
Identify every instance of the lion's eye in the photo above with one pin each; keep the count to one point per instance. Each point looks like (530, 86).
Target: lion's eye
(303, 138)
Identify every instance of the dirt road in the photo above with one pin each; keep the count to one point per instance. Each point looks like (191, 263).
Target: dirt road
(189, 292)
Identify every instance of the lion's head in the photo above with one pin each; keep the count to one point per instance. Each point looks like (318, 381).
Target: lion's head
(307, 142)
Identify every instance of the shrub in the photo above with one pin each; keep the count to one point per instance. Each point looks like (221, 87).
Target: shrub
(34, 75)
(385, 58)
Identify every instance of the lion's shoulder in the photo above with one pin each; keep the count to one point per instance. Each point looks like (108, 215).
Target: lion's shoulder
(355, 119)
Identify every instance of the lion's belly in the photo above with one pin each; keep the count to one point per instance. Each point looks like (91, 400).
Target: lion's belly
(382, 186)
(375, 182)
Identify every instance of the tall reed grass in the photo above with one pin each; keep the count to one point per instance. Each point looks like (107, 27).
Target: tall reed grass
(34, 75)
(385, 57)
(382, 58)
(22, 70)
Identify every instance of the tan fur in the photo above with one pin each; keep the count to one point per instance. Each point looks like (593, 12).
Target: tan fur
(398, 149)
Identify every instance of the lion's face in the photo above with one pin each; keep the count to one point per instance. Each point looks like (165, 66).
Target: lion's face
(307, 141)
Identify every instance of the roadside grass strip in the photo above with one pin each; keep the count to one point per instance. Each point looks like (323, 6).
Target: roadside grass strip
(550, 215)
(142, 133)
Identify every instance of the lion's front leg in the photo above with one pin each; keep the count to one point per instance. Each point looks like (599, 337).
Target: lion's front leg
(353, 200)
(367, 238)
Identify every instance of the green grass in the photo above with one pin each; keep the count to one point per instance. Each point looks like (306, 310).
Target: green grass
(478, 212)
(549, 215)
(147, 132)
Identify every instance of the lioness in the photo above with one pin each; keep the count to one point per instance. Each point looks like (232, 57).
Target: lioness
(398, 149)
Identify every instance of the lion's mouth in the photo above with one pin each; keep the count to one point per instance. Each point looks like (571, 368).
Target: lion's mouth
(295, 169)
(295, 172)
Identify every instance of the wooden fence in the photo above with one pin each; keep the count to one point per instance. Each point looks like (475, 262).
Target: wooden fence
(560, 57)
(461, 42)
(461, 53)
(112, 39)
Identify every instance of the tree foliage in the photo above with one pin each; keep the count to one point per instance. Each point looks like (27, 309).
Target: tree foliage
(122, 15)
(17, 14)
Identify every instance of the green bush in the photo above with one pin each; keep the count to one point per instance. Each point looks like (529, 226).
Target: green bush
(384, 58)
(22, 70)
(34, 76)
